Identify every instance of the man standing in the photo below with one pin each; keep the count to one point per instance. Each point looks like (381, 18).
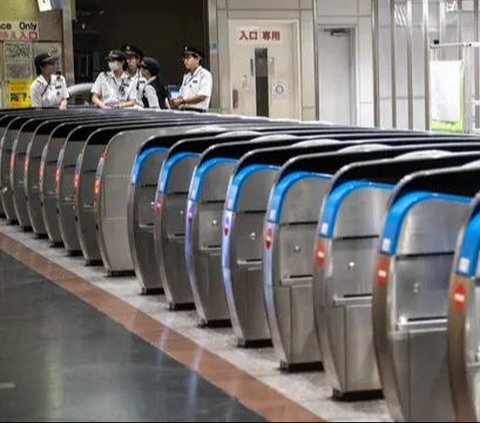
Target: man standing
(112, 89)
(48, 90)
(196, 90)
(134, 57)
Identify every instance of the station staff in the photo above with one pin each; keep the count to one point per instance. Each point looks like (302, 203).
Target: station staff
(196, 90)
(48, 90)
(112, 90)
(154, 94)
(134, 56)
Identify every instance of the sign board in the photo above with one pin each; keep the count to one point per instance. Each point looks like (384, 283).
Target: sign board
(19, 31)
(257, 35)
(19, 93)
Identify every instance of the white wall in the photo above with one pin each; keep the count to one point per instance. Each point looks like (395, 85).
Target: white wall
(356, 13)
(221, 11)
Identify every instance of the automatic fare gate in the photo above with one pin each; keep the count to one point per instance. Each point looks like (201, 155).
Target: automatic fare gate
(208, 192)
(29, 137)
(12, 132)
(133, 176)
(170, 216)
(204, 229)
(291, 220)
(245, 209)
(89, 165)
(411, 289)
(64, 134)
(141, 205)
(463, 317)
(148, 163)
(113, 178)
(33, 168)
(346, 247)
(70, 166)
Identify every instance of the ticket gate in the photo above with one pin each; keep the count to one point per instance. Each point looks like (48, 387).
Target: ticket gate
(33, 166)
(130, 216)
(205, 210)
(77, 193)
(411, 289)
(289, 243)
(205, 207)
(18, 162)
(242, 248)
(13, 130)
(112, 187)
(141, 207)
(69, 132)
(170, 218)
(67, 181)
(346, 246)
(150, 160)
(462, 332)
(170, 215)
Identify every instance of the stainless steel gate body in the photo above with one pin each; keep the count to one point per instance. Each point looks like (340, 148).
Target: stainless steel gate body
(346, 247)
(70, 132)
(13, 130)
(410, 291)
(141, 204)
(242, 248)
(204, 229)
(79, 187)
(289, 234)
(462, 334)
(33, 168)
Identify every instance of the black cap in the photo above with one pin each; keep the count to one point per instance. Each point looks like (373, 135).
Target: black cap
(43, 59)
(192, 51)
(115, 55)
(151, 65)
(130, 50)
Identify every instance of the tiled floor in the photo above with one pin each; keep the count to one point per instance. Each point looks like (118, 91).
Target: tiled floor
(251, 375)
(61, 359)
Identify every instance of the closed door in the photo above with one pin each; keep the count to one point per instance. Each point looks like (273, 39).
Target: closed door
(336, 65)
(264, 68)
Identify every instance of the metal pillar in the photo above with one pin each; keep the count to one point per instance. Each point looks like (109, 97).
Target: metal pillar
(316, 63)
(426, 38)
(67, 29)
(410, 63)
(476, 11)
(393, 52)
(376, 62)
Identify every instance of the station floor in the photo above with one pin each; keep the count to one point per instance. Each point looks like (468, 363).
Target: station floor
(76, 345)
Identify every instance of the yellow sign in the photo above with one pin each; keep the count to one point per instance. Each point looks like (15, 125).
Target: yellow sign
(19, 93)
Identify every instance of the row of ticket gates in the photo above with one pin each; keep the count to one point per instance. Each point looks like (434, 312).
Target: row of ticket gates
(352, 247)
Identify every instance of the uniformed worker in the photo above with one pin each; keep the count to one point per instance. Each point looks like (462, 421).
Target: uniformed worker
(48, 90)
(196, 90)
(134, 56)
(154, 94)
(112, 90)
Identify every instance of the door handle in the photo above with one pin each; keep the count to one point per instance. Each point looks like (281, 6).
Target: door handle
(252, 68)
(235, 97)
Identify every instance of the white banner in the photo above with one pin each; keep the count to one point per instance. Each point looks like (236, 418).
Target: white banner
(19, 31)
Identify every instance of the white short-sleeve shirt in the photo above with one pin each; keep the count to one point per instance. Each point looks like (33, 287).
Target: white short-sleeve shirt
(137, 85)
(49, 94)
(113, 90)
(200, 83)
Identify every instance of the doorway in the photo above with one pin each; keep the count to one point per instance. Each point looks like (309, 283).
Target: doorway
(264, 68)
(337, 75)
